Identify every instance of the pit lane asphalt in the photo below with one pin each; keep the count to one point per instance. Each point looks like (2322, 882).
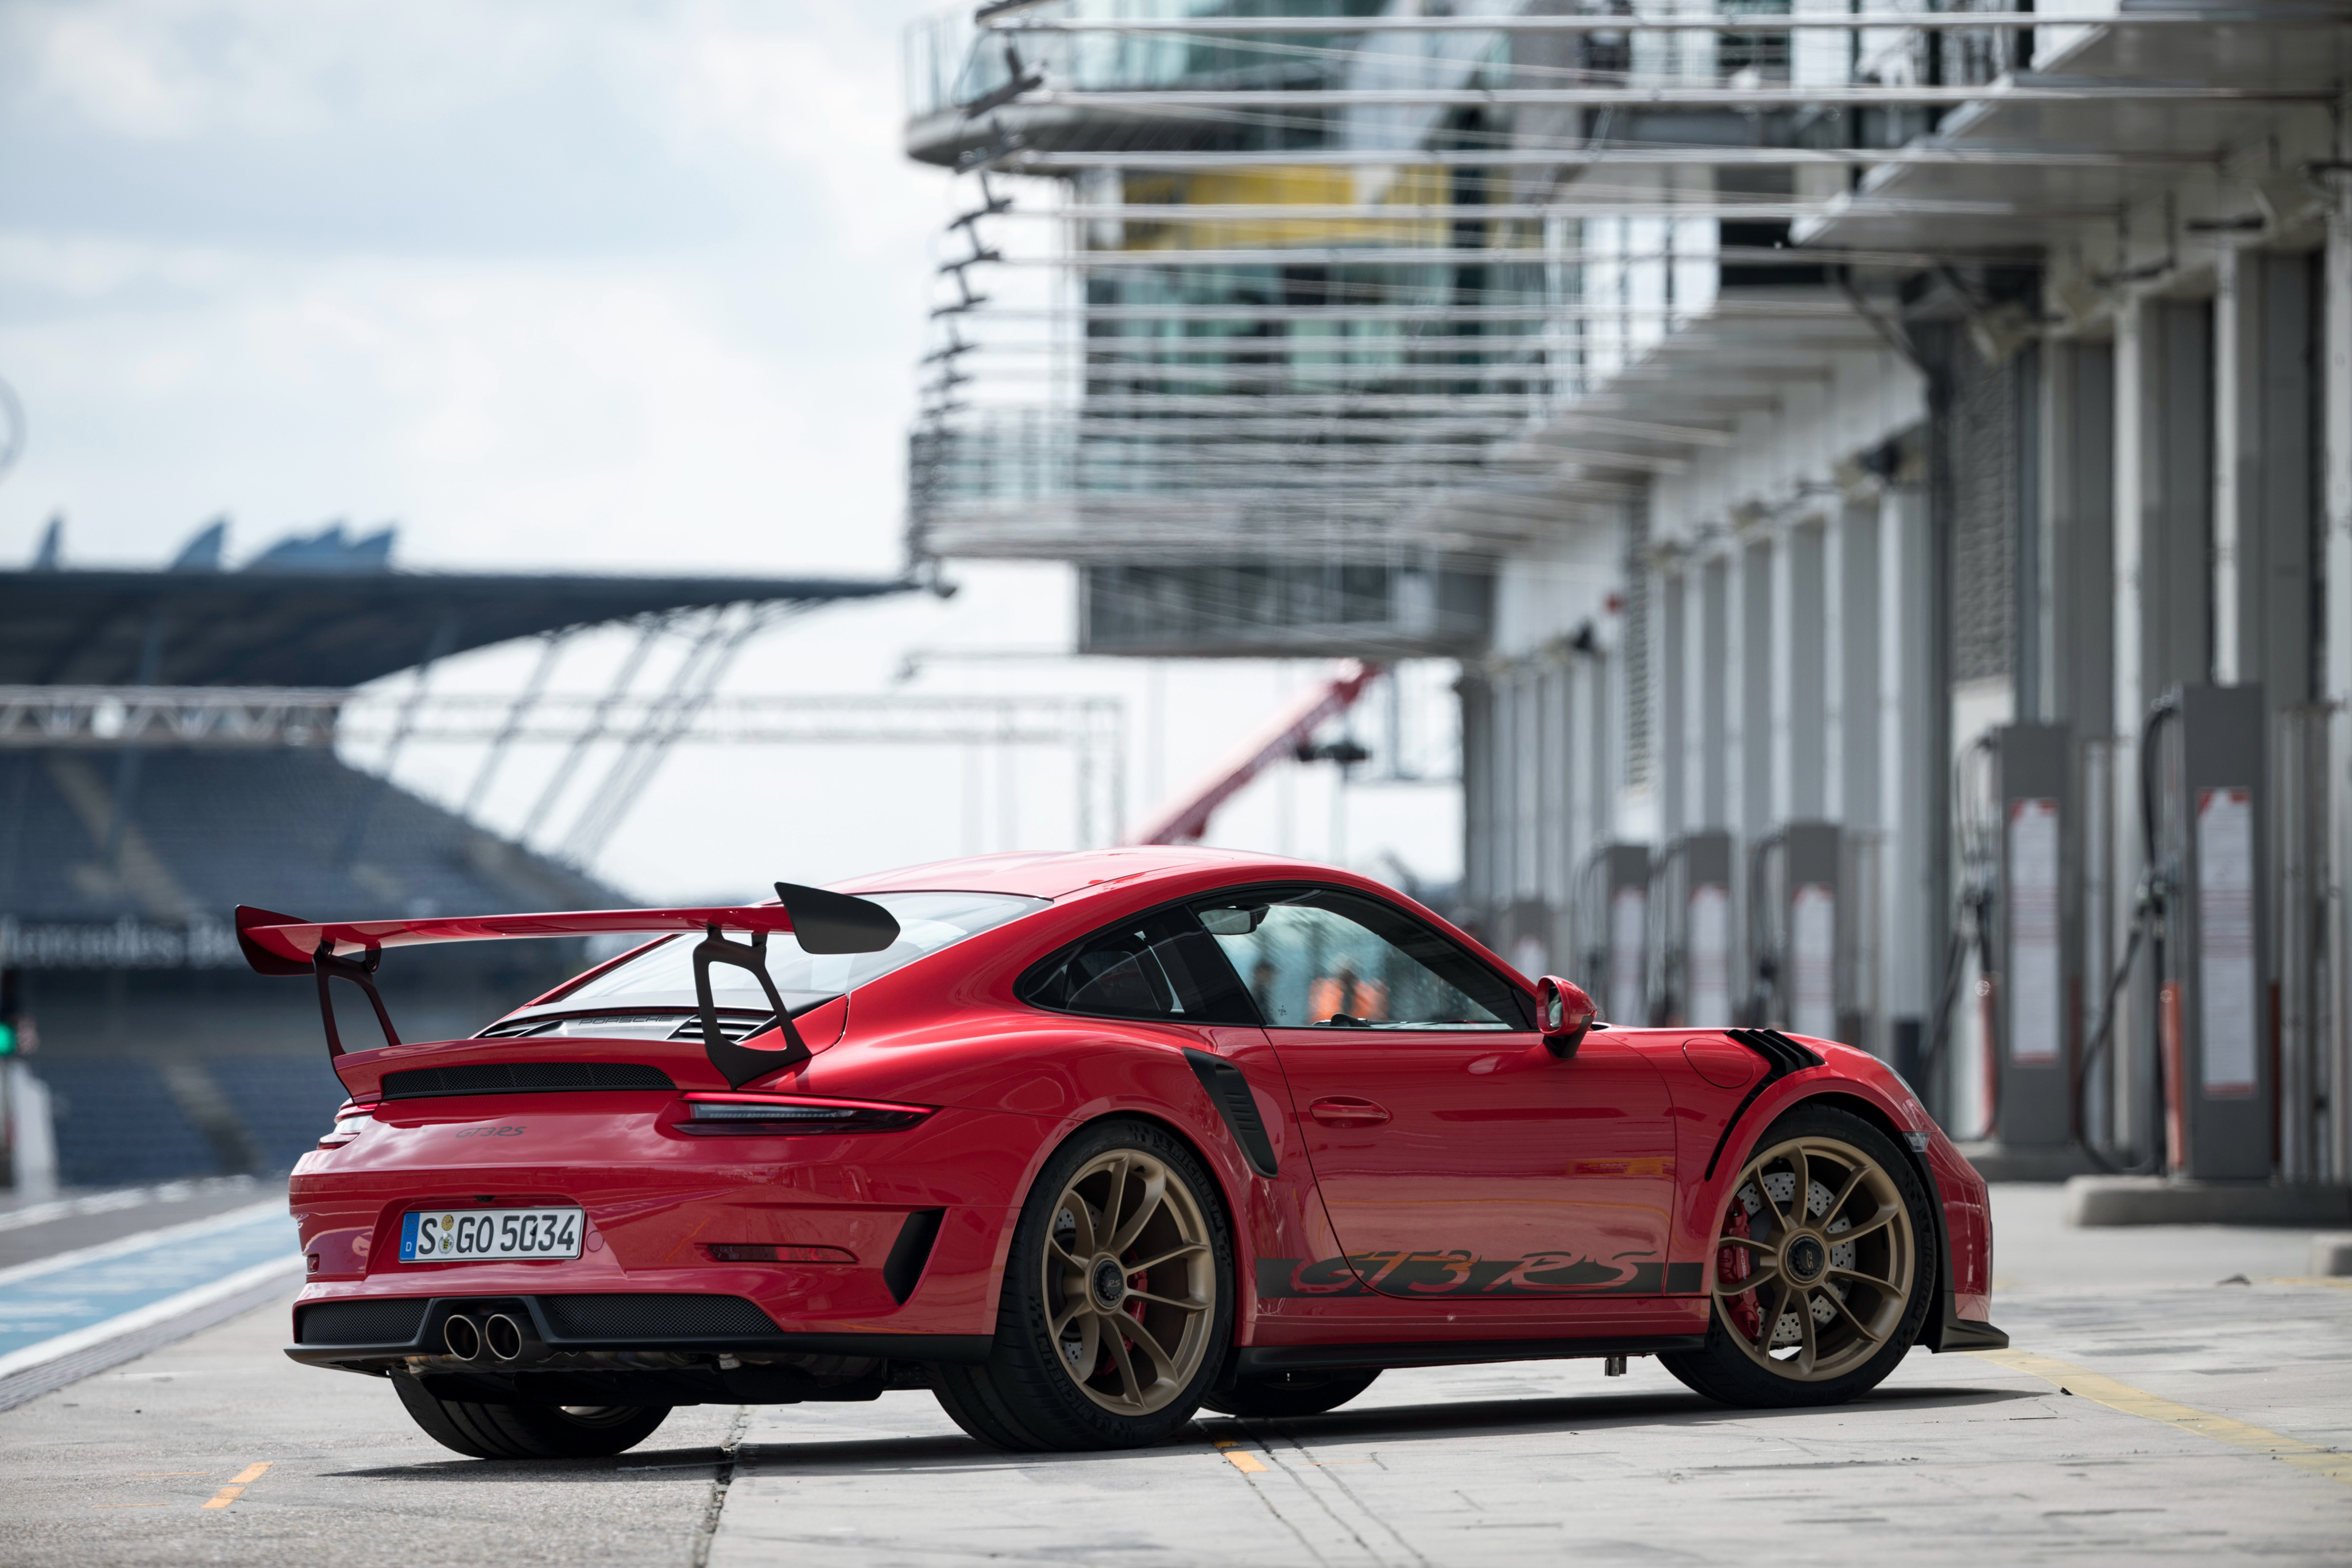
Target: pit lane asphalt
(1957, 1458)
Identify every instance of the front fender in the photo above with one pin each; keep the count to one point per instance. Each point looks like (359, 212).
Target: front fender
(1961, 1215)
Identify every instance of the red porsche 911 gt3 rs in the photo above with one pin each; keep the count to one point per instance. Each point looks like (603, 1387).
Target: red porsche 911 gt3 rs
(1082, 1143)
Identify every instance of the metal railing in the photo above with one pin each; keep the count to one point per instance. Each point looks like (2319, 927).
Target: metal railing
(1105, 46)
(1348, 224)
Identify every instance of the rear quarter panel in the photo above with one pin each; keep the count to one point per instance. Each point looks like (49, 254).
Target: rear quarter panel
(1065, 1072)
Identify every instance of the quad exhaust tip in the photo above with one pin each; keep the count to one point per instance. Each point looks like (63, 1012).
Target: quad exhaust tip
(463, 1337)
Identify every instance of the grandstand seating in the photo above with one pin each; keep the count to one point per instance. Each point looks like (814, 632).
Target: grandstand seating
(117, 1125)
(272, 827)
(121, 865)
(286, 828)
(285, 1101)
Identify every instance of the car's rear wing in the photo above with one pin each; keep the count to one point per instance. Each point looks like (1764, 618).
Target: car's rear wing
(352, 950)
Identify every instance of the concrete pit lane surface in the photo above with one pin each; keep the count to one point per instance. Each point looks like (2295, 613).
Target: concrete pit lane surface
(2174, 1392)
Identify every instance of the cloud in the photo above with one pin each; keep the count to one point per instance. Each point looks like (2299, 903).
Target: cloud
(526, 277)
(552, 283)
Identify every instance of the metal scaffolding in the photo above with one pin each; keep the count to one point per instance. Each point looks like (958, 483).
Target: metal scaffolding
(644, 725)
(1319, 288)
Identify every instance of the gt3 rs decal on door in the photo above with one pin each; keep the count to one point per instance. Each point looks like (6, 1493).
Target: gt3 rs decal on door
(1462, 1273)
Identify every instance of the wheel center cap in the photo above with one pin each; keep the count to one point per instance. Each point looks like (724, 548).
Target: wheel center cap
(1109, 1282)
(1806, 1259)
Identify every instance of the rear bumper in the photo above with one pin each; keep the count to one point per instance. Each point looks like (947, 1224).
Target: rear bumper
(604, 1332)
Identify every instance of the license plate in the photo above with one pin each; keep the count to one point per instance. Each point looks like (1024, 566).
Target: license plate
(482, 1235)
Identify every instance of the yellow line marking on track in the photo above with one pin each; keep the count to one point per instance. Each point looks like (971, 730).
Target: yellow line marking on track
(235, 1488)
(2335, 1464)
(1248, 1464)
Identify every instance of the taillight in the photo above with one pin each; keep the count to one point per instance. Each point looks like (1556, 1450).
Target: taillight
(350, 1121)
(794, 1115)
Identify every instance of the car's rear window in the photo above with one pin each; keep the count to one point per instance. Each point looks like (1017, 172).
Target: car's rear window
(663, 976)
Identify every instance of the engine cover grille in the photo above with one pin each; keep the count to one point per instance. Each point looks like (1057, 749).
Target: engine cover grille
(522, 1078)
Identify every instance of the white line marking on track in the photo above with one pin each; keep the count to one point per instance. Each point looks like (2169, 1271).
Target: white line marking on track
(124, 1246)
(154, 1313)
(120, 1199)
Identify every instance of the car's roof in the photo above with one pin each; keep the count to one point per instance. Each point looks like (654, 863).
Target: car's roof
(1056, 874)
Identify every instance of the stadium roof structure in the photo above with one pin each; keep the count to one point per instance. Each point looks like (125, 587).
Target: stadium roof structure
(292, 625)
(132, 859)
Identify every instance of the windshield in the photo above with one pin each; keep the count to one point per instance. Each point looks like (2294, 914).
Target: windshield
(663, 976)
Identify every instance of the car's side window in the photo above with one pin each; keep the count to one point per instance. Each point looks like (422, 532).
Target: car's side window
(1160, 965)
(1322, 957)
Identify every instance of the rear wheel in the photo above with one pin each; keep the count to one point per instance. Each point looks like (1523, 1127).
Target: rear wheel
(528, 1431)
(1277, 1394)
(1117, 1303)
(1821, 1281)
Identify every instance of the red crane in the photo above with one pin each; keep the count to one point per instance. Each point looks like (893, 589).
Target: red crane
(1184, 819)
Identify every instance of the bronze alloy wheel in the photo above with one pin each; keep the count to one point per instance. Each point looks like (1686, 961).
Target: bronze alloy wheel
(1118, 1300)
(1130, 1283)
(1814, 1274)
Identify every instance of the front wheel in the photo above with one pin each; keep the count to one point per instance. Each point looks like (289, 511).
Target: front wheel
(1822, 1275)
(528, 1431)
(1118, 1300)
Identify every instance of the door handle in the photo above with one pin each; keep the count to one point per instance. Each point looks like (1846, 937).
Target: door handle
(1345, 1110)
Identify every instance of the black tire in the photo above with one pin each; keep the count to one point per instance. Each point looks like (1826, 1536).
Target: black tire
(528, 1431)
(1742, 1365)
(1278, 1393)
(1030, 1396)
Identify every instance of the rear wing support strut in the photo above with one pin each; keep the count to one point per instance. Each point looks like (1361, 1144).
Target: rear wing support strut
(740, 1064)
(330, 966)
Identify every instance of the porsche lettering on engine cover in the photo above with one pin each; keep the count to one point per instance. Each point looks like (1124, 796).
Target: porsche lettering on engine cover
(1083, 1143)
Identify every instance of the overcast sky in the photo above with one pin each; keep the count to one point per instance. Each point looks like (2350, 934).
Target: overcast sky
(551, 283)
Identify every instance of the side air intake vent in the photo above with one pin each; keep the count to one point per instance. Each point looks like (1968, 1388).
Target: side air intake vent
(360, 1323)
(654, 1317)
(522, 1078)
(1781, 1057)
(1229, 1093)
(903, 1269)
(1780, 1052)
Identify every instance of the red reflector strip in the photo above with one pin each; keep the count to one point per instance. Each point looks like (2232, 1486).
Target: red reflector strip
(760, 1252)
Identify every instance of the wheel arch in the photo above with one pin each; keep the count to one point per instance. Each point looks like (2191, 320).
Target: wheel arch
(1175, 1129)
(1217, 1182)
(1939, 1256)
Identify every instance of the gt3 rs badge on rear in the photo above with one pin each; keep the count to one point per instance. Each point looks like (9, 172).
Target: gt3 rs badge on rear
(507, 1132)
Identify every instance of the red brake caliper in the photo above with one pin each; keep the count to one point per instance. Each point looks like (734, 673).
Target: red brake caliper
(1735, 1264)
